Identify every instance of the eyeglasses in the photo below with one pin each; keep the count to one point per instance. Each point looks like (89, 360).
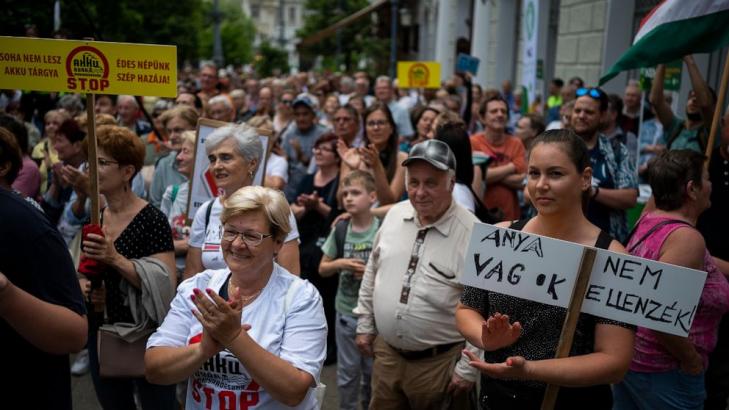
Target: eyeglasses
(105, 162)
(595, 93)
(251, 238)
(287, 102)
(377, 123)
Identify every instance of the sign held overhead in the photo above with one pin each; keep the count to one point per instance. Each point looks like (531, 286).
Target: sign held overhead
(93, 67)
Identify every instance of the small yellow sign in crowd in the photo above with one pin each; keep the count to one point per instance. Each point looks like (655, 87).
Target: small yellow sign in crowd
(418, 74)
(88, 67)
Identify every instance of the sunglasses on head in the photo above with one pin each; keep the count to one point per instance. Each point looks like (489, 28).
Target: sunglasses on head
(595, 93)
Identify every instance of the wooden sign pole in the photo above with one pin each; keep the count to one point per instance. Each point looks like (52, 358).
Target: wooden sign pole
(93, 156)
(717, 111)
(570, 321)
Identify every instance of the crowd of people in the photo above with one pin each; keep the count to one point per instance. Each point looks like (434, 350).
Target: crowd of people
(370, 195)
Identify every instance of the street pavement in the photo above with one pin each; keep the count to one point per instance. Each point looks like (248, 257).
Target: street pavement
(84, 397)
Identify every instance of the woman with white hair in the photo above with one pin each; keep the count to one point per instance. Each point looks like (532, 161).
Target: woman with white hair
(234, 153)
(250, 333)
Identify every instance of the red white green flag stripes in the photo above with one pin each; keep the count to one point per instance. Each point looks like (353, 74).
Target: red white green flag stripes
(674, 29)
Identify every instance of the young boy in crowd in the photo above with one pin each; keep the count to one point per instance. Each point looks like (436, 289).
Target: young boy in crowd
(346, 251)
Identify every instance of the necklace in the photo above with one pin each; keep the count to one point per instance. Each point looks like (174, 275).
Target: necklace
(243, 299)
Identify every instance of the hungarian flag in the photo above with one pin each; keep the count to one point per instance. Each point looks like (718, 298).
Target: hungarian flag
(674, 29)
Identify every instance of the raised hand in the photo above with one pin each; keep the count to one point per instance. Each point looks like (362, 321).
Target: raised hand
(497, 332)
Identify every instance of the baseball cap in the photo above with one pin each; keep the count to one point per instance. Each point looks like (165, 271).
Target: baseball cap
(435, 152)
(304, 100)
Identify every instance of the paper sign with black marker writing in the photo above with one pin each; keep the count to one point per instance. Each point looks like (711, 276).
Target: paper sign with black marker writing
(643, 292)
(622, 287)
(521, 264)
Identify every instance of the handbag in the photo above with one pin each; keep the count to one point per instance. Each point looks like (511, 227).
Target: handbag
(119, 358)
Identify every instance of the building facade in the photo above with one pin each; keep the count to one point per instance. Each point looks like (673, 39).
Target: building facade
(574, 38)
(276, 22)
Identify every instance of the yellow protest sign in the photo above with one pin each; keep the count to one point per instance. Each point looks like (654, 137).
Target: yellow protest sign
(88, 67)
(418, 74)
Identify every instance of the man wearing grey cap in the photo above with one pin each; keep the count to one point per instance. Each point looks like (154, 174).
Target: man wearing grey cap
(410, 289)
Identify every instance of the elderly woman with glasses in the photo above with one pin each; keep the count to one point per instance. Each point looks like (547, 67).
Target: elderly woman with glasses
(251, 333)
(234, 153)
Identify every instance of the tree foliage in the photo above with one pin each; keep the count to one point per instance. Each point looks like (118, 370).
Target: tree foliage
(358, 41)
(271, 60)
(236, 32)
(177, 22)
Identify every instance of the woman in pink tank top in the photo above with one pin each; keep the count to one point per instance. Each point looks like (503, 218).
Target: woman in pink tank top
(667, 371)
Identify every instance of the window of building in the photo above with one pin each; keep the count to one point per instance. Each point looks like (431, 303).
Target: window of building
(255, 11)
(292, 15)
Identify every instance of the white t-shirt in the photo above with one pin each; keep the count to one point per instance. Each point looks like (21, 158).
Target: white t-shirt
(463, 197)
(277, 166)
(296, 334)
(209, 240)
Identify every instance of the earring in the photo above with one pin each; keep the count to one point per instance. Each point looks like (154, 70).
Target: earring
(250, 174)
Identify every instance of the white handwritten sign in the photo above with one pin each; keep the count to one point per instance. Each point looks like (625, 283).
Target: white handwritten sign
(643, 292)
(622, 287)
(202, 184)
(521, 264)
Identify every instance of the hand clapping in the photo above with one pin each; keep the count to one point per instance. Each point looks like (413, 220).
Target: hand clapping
(220, 319)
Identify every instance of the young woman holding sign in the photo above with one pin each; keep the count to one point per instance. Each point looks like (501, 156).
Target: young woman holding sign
(520, 337)
(667, 371)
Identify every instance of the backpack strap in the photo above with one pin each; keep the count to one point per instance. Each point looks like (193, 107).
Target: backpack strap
(175, 189)
(654, 229)
(207, 213)
(340, 234)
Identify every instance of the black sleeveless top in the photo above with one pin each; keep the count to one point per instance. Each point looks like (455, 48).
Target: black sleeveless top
(541, 328)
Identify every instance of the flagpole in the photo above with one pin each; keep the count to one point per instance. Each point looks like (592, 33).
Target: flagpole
(640, 127)
(717, 110)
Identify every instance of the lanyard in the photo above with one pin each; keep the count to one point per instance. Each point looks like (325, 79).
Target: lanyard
(412, 265)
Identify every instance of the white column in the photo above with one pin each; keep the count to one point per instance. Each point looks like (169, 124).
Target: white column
(445, 38)
(543, 46)
(506, 37)
(480, 37)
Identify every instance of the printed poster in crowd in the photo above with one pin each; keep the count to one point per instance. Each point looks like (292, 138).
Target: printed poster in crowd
(202, 183)
(638, 291)
(91, 67)
(418, 74)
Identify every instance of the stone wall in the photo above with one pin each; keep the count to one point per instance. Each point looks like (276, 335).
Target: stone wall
(581, 39)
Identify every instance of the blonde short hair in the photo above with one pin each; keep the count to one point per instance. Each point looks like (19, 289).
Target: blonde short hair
(188, 137)
(184, 112)
(260, 199)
